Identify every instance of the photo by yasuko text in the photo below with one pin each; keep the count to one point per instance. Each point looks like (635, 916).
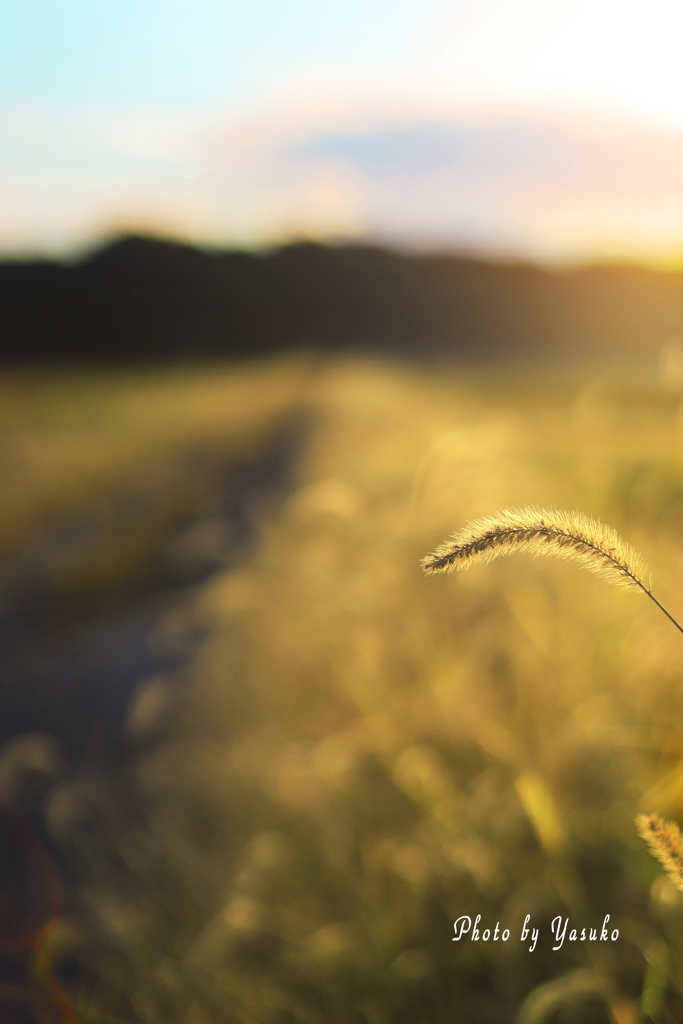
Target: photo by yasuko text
(464, 929)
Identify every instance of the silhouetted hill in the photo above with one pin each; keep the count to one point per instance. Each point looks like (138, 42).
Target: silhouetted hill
(145, 299)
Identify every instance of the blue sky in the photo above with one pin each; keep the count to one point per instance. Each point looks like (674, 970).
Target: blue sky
(548, 129)
(175, 52)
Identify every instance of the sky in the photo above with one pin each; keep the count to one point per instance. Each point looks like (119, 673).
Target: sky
(549, 130)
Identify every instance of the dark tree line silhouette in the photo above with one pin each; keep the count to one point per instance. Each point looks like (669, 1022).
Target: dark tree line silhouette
(147, 299)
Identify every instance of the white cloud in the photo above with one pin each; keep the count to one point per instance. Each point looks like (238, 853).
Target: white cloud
(506, 183)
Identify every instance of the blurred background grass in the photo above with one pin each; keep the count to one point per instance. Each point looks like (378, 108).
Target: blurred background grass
(286, 821)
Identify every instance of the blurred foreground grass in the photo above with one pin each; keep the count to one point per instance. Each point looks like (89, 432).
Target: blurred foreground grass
(359, 755)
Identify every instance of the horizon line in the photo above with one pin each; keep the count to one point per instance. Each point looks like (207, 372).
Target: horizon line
(82, 253)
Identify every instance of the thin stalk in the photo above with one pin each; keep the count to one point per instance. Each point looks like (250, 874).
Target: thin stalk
(668, 614)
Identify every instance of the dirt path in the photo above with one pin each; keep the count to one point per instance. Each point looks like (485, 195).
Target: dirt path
(80, 607)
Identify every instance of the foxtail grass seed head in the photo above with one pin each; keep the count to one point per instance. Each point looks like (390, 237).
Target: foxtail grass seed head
(666, 844)
(542, 532)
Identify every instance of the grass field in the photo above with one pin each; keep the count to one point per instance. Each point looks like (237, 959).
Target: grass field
(356, 755)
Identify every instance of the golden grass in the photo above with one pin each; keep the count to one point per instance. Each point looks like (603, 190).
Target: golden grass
(359, 755)
(68, 438)
(540, 531)
(664, 839)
